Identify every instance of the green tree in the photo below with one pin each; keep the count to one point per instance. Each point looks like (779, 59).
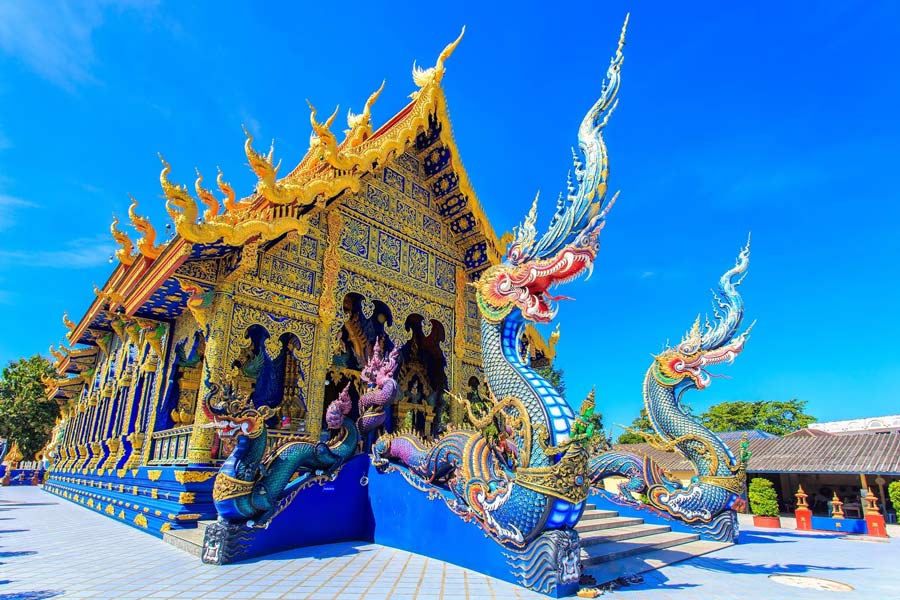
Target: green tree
(894, 495)
(26, 416)
(772, 416)
(763, 498)
(640, 423)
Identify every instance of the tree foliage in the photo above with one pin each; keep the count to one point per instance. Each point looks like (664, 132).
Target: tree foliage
(640, 423)
(763, 498)
(894, 495)
(26, 416)
(772, 416)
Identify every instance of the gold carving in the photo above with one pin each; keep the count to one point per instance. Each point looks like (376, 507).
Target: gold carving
(227, 487)
(141, 521)
(193, 476)
(566, 479)
(186, 497)
(147, 243)
(154, 475)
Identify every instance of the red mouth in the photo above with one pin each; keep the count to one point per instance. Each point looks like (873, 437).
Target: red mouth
(545, 275)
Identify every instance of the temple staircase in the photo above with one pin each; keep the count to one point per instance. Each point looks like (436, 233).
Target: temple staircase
(613, 546)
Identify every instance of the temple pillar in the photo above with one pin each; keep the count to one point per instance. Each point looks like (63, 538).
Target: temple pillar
(218, 333)
(328, 305)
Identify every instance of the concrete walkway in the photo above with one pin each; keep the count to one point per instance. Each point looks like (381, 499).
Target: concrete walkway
(50, 548)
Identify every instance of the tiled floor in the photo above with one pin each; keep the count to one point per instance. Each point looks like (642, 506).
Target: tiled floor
(50, 548)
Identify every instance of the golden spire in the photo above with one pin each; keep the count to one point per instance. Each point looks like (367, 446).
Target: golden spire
(425, 77)
(125, 252)
(147, 243)
(212, 203)
(361, 124)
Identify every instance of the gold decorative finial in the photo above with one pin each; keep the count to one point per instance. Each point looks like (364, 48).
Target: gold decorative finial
(425, 77)
(70, 325)
(230, 205)
(125, 252)
(361, 124)
(59, 356)
(146, 245)
(261, 164)
(212, 203)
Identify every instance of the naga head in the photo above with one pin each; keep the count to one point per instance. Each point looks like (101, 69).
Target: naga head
(379, 368)
(716, 342)
(334, 414)
(233, 414)
(533, 267)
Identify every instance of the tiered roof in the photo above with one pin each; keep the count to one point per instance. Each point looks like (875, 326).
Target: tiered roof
(143, 284)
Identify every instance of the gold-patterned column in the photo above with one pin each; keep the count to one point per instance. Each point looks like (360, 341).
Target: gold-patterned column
(214, 370)
(322, 352)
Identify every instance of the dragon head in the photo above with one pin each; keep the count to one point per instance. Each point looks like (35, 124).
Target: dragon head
(232, 413)
(379, 368)
(533, 267)
(716, 342)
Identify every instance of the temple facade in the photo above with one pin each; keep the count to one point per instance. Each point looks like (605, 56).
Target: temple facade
(284, 293)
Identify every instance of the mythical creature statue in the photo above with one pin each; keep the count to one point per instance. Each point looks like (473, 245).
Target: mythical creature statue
(379, 375)
(253, 486)
(516, 495)
(720, 476)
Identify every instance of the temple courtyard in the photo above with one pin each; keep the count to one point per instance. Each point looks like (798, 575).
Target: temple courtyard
(53, 549)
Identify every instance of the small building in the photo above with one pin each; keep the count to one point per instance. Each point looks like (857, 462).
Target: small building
(823, 463)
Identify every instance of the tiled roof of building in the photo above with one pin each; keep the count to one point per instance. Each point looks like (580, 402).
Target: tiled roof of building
(872, 454)
(752, 434)
(669, 461)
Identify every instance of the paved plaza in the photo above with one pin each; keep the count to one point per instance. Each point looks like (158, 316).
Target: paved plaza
(50, 548)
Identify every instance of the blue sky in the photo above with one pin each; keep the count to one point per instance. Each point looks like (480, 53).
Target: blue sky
(768, 117)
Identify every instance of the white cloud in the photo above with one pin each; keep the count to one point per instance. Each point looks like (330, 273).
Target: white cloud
(53, 37)
(80, 253)
(8, 206)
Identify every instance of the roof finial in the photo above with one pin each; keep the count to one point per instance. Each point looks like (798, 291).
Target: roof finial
(125, 252)
(147, 243)
(212, 203)
(425, 77)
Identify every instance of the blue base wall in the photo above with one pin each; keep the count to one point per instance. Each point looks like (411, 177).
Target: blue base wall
(406, 519)
(336, 511)
(840, 525)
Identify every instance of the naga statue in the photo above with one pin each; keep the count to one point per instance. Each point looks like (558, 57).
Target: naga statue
(719, 482)
(517, 494)
(254, 485)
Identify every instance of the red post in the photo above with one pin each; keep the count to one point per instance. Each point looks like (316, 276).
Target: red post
(802, 513)
(874, 518)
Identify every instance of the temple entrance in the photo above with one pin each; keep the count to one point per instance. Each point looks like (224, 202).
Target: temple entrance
(421, 371)
(422, 379)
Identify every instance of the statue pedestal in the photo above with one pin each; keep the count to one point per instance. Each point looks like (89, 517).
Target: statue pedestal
(408, 520)
(804, 519)
(875, 525)
(335, 511)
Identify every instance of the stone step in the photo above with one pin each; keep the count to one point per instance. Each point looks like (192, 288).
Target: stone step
(650, 561)
(619, 534)
(189, 540)
(598, 514)
(610, 551)
(606, 523)
(590, 506)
